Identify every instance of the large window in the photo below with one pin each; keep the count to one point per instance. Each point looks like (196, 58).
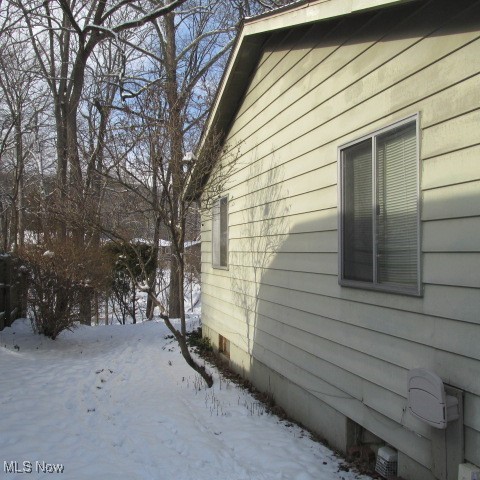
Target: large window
(379, 216)
(220, 233)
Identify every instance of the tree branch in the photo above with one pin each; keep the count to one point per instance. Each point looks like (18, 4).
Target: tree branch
(158, 12)
(68, 12)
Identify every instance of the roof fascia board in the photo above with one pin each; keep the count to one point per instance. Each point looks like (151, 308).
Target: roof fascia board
(243, 46)
(232, 62)
(244, 57)
(309, 12)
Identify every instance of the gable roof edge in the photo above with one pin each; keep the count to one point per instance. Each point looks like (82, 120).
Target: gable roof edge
(247, 49)
(309, 11)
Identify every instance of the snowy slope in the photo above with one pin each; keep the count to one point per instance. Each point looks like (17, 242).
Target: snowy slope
(119, 402)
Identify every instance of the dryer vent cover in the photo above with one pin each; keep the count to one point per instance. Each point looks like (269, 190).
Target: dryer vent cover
(427, 399)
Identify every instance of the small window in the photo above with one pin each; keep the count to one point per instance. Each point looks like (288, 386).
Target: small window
(379, 215)
(220, 233)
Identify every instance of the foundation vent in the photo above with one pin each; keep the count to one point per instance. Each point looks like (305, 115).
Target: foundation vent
(224, 346)
(387, 462)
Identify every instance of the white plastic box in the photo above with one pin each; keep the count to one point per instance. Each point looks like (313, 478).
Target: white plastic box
(468, 471)
(387, 462)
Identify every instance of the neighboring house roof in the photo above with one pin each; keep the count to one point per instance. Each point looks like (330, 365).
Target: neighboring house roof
(245, 56)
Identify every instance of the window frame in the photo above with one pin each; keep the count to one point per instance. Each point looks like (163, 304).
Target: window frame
(216, 205)
(374, 285)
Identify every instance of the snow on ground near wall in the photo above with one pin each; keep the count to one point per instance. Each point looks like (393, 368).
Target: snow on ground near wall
(119, 402)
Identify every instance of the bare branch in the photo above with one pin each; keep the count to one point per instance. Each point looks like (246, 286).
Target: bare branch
(66, 9)
(158, 12)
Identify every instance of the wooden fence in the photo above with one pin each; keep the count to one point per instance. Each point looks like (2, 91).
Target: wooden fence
(13, 291)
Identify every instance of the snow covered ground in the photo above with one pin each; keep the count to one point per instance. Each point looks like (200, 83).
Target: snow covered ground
(119, 402)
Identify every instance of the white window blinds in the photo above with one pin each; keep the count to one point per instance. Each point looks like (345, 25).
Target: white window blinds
(397, 217)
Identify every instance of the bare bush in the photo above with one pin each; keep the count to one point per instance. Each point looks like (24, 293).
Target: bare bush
(61, 279)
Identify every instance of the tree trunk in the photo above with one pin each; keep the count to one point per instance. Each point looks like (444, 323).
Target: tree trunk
(174, 297)
(175, 132)
(4, 226)
(18, 223)
(155, 160)
(134, 301)
(182, 342)
(86, 306)
(106, 309)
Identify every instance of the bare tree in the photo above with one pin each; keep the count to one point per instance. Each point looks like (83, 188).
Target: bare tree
(23, 103)
(167, 106)
(187, 50)
(138, 178)
(131, 83)
(64, 36)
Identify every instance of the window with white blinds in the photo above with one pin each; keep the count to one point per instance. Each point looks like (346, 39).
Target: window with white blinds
(220, 233)
(380, 210)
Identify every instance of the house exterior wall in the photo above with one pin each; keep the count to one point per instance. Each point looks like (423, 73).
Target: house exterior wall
(330, 353)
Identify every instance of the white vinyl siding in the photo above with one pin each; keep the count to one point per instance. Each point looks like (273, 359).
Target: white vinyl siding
(220, 233)
(380, 210)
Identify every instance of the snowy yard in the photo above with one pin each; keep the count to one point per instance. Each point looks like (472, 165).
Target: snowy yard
(119, 402)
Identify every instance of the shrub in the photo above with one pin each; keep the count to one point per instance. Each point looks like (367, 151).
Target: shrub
(130, 263)
(196, 341)
(54, 300)
(61, 280)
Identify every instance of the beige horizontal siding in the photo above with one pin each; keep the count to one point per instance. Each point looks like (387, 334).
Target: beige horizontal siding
(277, 62)
(437, 301)
(326, 198)
(462, 269)
(314, 90)
(452, 235)
(289, 262)
(453, 201)
(275, 53)
(317, 218)
(380, 85)
(456, 136)
(410, 90)
(316, 130)
(322, 143)
(284, 183)
(359, 48)
(453, 168)
(415, 445)
(308, 242)
(350, 383)
(452, 134)
(433, 332)
(472, 446)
